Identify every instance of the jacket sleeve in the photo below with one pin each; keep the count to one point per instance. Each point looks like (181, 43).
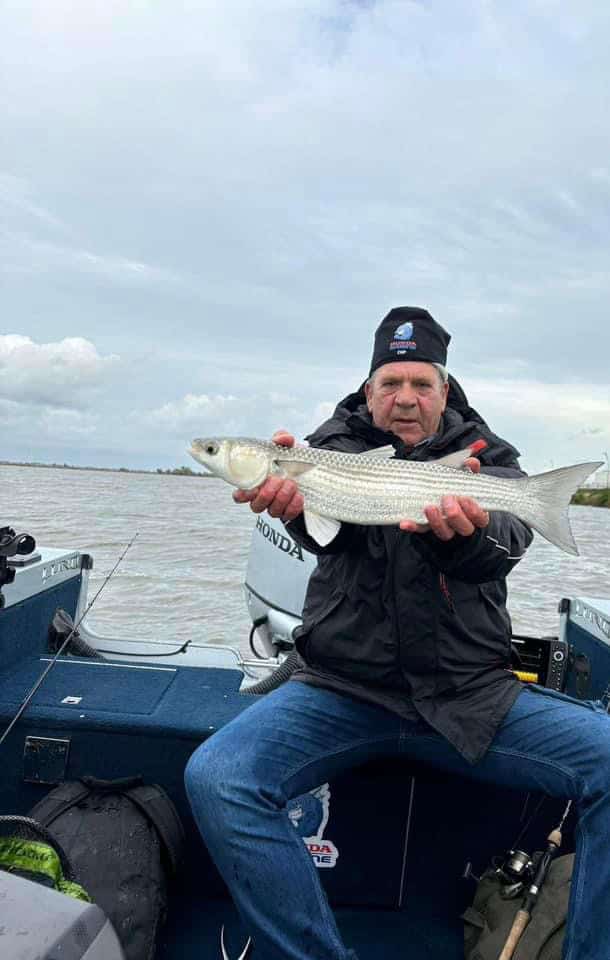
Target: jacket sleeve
(489, 553)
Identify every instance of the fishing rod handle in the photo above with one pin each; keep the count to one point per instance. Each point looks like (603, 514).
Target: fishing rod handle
(553, 845)
(520, 922)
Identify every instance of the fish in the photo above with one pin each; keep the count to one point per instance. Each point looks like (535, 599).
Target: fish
(375, 488)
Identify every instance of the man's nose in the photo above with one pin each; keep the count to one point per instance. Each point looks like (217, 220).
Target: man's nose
(405, 396)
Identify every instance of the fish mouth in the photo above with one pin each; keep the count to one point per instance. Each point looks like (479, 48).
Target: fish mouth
(194, 450)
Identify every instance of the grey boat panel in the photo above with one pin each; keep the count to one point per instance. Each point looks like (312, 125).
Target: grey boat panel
(40, 924)
(52, 568)
(592, 614)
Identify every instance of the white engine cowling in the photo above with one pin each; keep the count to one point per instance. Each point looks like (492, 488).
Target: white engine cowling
(276, 581)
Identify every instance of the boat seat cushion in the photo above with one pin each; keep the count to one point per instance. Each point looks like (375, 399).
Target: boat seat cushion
(193, 701)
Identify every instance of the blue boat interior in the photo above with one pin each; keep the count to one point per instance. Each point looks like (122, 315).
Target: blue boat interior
(409, 840)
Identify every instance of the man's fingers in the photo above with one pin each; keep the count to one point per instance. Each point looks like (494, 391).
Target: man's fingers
(474, 512)
(460, 515)
(439, 525)
(295, 508)
(245, 496)
(472, 464)
(266, 494)
(283, 438)
(280, 497)
(409, 526)
(287, 503)
(454, 519)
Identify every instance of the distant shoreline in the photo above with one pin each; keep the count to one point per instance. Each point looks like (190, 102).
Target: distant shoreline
(175, 471)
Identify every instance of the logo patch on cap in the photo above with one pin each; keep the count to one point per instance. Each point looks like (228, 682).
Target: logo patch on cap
(403, 338)
(404, 331)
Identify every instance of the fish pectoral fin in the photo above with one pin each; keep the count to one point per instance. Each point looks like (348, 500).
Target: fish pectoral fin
(294, 468)
(459, 458)
(321, 529)
(384, 453)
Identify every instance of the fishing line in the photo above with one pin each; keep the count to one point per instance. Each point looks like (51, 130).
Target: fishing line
(52, 663)
(530, 819)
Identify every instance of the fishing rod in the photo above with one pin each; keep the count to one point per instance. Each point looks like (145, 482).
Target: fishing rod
(61, 649)
(523, 915)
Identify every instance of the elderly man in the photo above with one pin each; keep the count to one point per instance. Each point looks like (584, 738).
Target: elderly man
(404, 649)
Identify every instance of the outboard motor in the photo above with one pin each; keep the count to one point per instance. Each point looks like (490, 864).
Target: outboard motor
(276, 581)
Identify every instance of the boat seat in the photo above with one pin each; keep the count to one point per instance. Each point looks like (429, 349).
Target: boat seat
(99, 694)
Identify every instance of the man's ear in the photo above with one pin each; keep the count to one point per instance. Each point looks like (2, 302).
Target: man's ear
(445, 393)
(367, 394)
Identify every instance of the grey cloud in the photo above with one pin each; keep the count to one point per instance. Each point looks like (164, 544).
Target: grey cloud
(236, 200)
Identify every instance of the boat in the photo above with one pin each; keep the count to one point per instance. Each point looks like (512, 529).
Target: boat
(397, 856)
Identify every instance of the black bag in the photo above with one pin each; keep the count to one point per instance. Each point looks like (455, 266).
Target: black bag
(488, 921)
(124, 840)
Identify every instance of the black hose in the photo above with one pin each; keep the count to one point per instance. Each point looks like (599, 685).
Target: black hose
(61, 625)
(277, 678)
(255, 625)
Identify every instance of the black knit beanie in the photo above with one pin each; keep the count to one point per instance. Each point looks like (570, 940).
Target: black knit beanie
(409, 333)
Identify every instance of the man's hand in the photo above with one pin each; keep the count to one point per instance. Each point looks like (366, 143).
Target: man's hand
(461, 515)
(281, 498)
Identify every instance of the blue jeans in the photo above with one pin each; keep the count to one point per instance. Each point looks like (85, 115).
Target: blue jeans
(290, 741)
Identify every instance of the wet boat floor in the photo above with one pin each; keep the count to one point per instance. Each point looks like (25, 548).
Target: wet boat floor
(193, 932)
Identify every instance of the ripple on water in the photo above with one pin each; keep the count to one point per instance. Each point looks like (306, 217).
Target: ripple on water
(185, 571)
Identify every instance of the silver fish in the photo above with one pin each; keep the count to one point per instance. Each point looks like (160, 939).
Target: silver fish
(371, 488)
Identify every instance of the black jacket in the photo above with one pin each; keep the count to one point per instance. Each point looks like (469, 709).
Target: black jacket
(408, 621)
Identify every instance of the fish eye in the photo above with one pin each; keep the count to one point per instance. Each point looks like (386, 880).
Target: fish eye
(211, 447)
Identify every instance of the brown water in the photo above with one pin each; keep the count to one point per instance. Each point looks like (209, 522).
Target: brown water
(183, 576)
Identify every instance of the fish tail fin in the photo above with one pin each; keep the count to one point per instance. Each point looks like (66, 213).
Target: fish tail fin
(549, 496)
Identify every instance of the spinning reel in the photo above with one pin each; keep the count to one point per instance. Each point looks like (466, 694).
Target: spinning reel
(516, 870)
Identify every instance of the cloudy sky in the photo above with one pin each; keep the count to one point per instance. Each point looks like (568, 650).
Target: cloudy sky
(206, 206)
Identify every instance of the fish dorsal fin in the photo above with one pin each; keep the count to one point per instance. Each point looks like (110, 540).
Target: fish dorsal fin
(320, 529)
(459, 458)
(384, 453)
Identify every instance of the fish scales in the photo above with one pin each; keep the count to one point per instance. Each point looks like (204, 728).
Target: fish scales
(390, 491)
(371, 488)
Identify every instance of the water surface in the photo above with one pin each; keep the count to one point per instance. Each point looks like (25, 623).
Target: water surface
(183, 577)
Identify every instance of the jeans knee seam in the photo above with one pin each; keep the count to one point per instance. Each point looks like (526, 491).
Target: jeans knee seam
(335, 753)
(574, 778)
(540, 761)
(580, 875)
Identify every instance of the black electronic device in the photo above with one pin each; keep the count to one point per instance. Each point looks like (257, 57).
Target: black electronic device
(541, 660)
(12, 545)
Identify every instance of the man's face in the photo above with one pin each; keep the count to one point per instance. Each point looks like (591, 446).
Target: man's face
(408, 399)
